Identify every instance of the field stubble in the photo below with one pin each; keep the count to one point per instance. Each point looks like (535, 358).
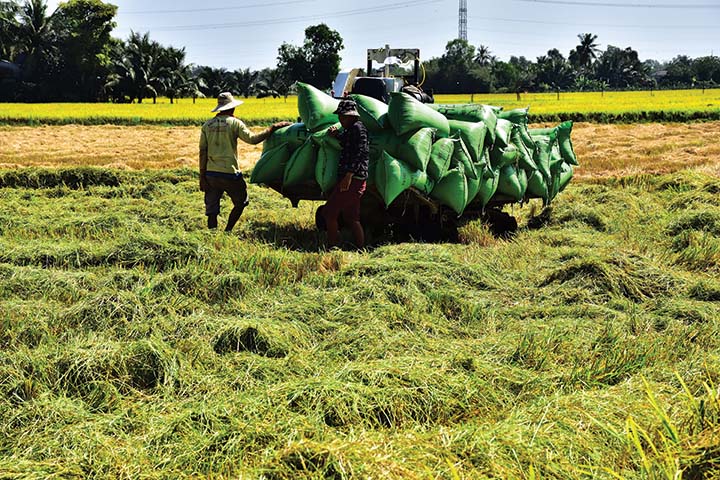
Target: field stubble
(136, 344)
(605, 150)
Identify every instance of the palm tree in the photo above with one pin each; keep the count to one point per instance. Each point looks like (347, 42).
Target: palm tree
(244, 80)
(138, 69)
(586, 52)
(175, 74)
(216, 80)
(483, 56)
(36, 34)
(8, 30)
(271, 82)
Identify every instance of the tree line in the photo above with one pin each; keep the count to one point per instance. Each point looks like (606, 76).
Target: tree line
(466, 69)
(70, 55)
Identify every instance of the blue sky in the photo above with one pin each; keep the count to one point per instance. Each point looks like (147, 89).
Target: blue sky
(247, 33)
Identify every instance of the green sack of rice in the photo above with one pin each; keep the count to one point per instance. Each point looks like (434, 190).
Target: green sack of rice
(543, 152)
(301, 166)
(556, 159)
(512, 183)
(501, 157)
(392, 177)
(554, 185)
(566, 148)
(373, 112)
(322, 137)
(525, 158)
(473, 187)
(440, 157)
(375, 158)
(503, 132)
(407, 114)
(537, 186)
(326, 168)
(472, 134)
(461, 157)
(452, 190)
(316, 107)
(271, 166)
(422, 182)
(488, 186)
(519, 117)
(294, 135)
(566, 173)
(413, 148)
(563, 133)
(471, 113)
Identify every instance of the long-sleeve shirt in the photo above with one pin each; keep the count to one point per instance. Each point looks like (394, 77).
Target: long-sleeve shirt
(355, 153)
(218, 141)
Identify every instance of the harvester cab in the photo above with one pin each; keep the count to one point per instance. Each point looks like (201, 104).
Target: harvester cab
(399, 70)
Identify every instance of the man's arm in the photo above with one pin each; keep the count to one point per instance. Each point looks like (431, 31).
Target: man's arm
(247, 136)
(203, 161)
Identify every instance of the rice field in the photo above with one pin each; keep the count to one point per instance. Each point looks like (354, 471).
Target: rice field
(664, 105)
(136, 344)
(606, 150)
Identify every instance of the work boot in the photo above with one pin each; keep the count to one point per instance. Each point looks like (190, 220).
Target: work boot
(212, 222)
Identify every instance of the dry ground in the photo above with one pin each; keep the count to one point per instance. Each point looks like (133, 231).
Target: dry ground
(603, 150)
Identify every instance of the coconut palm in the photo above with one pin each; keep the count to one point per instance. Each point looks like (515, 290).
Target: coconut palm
(8, 30)
(174, 73)
(586, 52)
(483, 56)
(36, 35)
(216, 81)
(138, 71)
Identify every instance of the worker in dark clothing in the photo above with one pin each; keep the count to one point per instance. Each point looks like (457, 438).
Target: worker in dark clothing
(352, 174)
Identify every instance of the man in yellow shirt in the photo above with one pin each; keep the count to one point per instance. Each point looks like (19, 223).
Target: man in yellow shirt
(219, 163)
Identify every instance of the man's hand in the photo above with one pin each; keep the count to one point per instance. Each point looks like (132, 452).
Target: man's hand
(278, 125)
(345, 182)
(333, 131)
(203, 183)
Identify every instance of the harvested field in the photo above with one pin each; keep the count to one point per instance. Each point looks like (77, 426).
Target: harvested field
(604, 150)
(135, 343)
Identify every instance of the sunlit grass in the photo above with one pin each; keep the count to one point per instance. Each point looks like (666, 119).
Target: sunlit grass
(629, 106)
(136, 344)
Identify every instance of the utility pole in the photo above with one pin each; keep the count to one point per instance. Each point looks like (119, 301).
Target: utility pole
(462, 22)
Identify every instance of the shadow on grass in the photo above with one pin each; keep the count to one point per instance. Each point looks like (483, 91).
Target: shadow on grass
(310, 239)
(292, 237)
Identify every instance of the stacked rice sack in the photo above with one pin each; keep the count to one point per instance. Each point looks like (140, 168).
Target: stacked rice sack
(458, 155)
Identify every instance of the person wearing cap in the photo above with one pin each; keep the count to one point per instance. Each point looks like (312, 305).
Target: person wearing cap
(352, 174)
(219, 163)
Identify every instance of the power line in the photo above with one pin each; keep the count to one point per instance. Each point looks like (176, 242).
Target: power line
(254, 23)
(218, 9)
(607, 25)
(624, 5)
